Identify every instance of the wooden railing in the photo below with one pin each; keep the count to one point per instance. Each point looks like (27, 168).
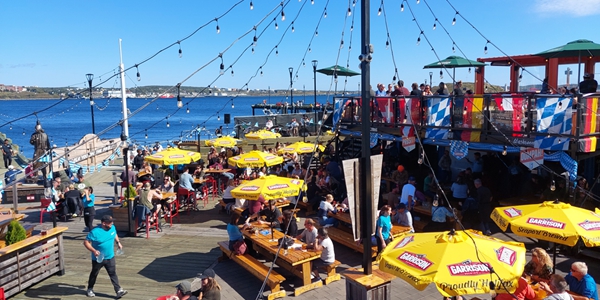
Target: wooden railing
(32, 260)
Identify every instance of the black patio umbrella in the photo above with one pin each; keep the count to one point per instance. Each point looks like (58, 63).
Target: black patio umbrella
(453, 62)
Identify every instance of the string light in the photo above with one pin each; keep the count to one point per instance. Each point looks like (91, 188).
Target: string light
(180, 52)
(255, 39)
(232, 74)
(10, 127)
(222, 66)
(293, 29)
(441, 74)
(218, 28)
(418, 40)
(276, 51)
(421, 157)
(138, 73)
(146, 135)
(453, 50)
(179, 102)
(402, 6)
(485, 49)
(218, 117)
(435, 23)
(168, 125)
(379, 11)
(469, 70)
(317, 33)
(342, 44)
(418, 1)
(312, 2)
(251, 5)
(325, 15)
(276, 26)
(23, 131)
(387, 44)
(553, 185)
(454, 19)
(282, 15)
(187, 110)
(349, 12)
(505, 151)
(232, 106)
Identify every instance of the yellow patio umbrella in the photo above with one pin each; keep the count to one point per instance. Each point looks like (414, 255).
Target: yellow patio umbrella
(262, 135)
(224, 141)
(452, 261)
(270, 187)
(551, 221)
(173, 156)
(255, 159)
(300, 148)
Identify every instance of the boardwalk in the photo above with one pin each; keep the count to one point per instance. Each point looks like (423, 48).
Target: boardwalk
(152, 267)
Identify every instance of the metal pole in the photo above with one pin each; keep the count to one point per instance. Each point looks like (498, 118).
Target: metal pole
(430, 80)
(314, 64)
(90, 78)
(291, 86)
(365, 179)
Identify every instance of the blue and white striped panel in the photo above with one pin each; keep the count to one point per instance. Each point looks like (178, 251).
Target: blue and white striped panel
(438, 114)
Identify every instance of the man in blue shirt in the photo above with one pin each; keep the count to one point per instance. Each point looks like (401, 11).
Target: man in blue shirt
(100, 242)
(581, 282)
(185, 180)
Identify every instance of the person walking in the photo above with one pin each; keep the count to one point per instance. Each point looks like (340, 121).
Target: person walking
(484, 202)
(100, 242)
(383, 228)
(88, 207)
(7, 153)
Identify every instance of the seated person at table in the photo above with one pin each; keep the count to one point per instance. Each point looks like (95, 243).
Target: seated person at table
(403, 217)
(325, 245)
(184, 291)
(73, 201)
(289, 225)
(185, 180)
(581, 282)
(271, 213)
(556, 288)
(540, 265)
(309, 235)
(325, 207)
(524, 291)
(227, 197)
(438, 217)
(146, 197)
(234, 232)
(218, 165)
(313, 192)
(253, 207)
(167, 186)
(200, 172)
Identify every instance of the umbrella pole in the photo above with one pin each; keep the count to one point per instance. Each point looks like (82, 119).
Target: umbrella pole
(554, 259)
(578, 70)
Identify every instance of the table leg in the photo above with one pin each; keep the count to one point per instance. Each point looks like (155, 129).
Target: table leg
(306, 271)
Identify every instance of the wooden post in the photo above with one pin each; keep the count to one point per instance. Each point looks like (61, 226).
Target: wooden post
(15, 198)
(61, 256)
(375, 286)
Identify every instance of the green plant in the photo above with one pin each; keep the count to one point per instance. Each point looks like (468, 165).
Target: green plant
(15, 233)
(129, 192)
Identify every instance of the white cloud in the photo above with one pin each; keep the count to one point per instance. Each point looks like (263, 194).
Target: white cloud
(566, 8)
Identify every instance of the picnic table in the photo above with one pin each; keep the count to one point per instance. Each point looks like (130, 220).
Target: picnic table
(297, 261)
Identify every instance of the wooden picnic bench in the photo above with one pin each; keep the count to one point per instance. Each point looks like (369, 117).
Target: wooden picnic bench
(306, 206)
(257, 269)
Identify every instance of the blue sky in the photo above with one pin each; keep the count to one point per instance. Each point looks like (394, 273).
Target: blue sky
(55, 43)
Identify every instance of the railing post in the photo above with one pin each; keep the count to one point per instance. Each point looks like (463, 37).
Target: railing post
(61, 255)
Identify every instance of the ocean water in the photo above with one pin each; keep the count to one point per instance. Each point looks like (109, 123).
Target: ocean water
(67, 122)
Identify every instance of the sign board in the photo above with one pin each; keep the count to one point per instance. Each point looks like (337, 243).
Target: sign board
(408, 143)
(532, 157)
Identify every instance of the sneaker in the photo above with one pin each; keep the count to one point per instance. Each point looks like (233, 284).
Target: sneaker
(74, 215)
(121, 293)
(90, 293)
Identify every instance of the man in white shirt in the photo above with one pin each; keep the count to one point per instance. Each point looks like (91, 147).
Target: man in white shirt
(269, 124)
(325, 245)
(408, 193)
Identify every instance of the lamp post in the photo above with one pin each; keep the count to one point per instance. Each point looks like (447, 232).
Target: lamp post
(430, 80)
(90, 77)
(314, 64)
(291, 86)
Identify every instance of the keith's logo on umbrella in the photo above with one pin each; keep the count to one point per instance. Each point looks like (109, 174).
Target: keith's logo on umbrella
(270, 157)
(546, 223)
(506, 255)
(415, 260)
(156, 156)
(590, 225)
(250, 188)
(251, 159)
(469, 268)
(405, 241)
(176, 156)
(512, 212)
(278, 186)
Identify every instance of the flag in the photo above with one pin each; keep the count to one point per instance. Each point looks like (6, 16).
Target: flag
(438, 114)
(554, 116)
(459, 149)
(472, 118)
(338, 108)
(588, 124)
(385, 108)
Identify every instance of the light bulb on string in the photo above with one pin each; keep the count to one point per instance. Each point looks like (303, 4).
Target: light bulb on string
(293, 29)
(309, 50)
(504, 151)
(180, 121)
(252, 50)
(251, 5)
(349, 12)
(317, 33)
(312, 2)
(138, 73)
(276, 51)
(387, 44)
(341, 44)
(353, 3)
(254, 40)
(187, 110)
(454, 19)
(282, 15)
(435, 24)
(421, 158)
(276, 26)
(441, 74)
(325, 15)
(553, 185)
(168, 125)
(402, 6)
(352, 28)
(218, 28)
(232, 106)
(453, 49)
(418, 40)
(303, 63)
(218, 117)
(418, 1)
(232, 74)
(180, 52)
(485, 49)
(261, 73)
(469, 70)
(10, 127)
(23, 131)
(146, 135)
(379, 11)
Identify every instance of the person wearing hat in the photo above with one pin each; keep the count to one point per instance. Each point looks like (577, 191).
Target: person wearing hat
(100, 242)
(588, 85)
(10, 175)
(184, 291)
(210, 290)
(7, 153)
(403, 217)
(408, 193)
